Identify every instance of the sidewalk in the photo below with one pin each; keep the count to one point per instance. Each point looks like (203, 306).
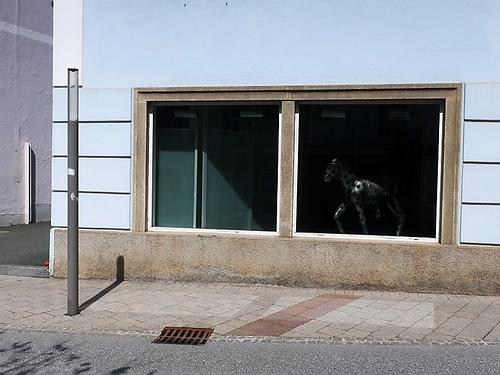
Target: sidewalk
(250, 310)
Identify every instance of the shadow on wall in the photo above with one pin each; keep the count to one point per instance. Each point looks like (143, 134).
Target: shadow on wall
(120, 276)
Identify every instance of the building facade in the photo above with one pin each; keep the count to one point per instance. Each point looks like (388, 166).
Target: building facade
(315, 144)
(25, 110)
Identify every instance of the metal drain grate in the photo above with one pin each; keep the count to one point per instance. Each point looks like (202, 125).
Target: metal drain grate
(184, 335)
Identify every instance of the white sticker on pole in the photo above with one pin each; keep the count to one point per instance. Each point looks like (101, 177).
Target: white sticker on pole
(71, 172)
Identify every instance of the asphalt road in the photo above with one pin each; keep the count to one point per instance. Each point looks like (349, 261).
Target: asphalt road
(23, 352)
(25, 244)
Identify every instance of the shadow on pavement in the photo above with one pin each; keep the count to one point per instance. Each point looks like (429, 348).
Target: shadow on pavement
(24, 357)
(120, 275)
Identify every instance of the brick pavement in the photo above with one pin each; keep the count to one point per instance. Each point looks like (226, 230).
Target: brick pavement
(251, 310)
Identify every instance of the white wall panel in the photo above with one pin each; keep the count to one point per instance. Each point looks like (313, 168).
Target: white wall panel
(481, 183)
(95, 105)
(105, 104)
(96, 139)
(104, 139)
(482, 101)
(96, 174)
(59, 139)
(110, 211)
(105, 211)
(482, 141)
(480, 224)
(68, 39)
(59, 173)
(59, 104)
(59, 209)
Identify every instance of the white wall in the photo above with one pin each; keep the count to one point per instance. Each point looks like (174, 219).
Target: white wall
(68, 39)
(481, 165)
(105, 158)
(128, 43)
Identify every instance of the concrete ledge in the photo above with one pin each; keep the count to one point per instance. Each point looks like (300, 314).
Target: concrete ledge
(304, 262)
(24, 271)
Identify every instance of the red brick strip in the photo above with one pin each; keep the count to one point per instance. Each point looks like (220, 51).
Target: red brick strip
(294, 316)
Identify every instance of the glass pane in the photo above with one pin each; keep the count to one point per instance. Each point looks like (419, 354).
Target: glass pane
(216, 166)
(241, 161)
(174, 167)
(384, 174)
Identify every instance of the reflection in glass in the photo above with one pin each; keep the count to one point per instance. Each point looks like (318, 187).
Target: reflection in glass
(215, 166)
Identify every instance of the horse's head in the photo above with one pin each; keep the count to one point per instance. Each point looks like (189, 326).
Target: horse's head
(332, 170)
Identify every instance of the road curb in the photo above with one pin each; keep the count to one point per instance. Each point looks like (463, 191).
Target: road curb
(263, 339)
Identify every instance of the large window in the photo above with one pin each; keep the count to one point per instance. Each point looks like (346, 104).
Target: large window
(215, 166)
(368, 169)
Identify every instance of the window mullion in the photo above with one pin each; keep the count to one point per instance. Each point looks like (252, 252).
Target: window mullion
(200, 171)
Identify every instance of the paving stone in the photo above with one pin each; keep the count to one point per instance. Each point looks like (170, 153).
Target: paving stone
(148, 307)
(476, 331)
(415, 333)
(452, 306)
(387, 332)
(331, 331)
(437, 337)
(494, 335)
(361, 303)
(312, 326)
(452, 326)
(368, 327)
(405, 305)
(389, 314)
(382, 305)
(354, 333)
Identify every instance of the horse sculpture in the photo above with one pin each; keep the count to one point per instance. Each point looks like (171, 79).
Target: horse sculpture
(361, 193)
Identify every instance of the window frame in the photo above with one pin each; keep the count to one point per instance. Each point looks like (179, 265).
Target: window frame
(451, 94)
(151, 135)
(369, 237)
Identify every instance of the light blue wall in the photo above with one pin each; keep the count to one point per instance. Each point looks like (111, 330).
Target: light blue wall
(141, 43)
(131, 43)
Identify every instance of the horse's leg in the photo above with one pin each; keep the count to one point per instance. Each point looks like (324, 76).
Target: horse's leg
(398, 212)
(361, 215)
(340, 211)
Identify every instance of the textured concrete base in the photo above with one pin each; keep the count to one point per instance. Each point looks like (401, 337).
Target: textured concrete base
(286, 261)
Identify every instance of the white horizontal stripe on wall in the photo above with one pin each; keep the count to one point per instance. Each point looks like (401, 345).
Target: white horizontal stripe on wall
(481, 183)
(95, 139)
(482, 141)
(110, 211)
(482, 101)
(110, 175)
(95, 105)
(480, 224)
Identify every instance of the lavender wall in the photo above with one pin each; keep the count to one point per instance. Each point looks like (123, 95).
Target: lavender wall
(25, 104)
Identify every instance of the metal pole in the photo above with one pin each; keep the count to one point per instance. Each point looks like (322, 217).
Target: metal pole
(72, 192)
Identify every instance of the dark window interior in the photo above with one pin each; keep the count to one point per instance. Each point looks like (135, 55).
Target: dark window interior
(392, 145)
